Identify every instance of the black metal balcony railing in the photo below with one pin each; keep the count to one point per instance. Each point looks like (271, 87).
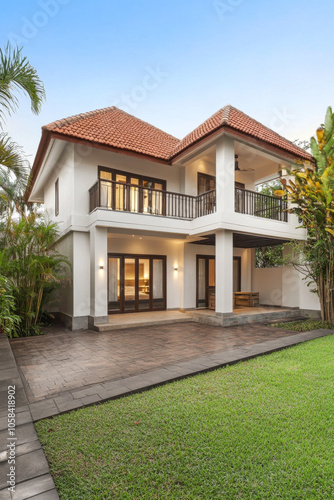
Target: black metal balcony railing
(260, 205)
(138, 199)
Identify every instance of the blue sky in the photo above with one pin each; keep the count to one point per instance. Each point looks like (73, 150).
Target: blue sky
(175, 63)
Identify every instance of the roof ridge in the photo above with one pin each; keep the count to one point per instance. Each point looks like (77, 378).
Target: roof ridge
(226, 114)
(74, 118)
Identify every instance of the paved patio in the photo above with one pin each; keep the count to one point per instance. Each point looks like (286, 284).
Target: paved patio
(62, 360)
(63, 370)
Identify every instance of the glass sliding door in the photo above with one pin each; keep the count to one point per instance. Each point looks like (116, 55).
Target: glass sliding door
(136, 283)
(206, 276)
(158, 284)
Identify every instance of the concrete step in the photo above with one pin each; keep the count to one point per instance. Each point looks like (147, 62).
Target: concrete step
(242, 319)
(126, 324)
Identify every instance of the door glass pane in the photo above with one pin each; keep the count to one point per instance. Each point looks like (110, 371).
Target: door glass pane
(236, 276)
(129, 284)
(144, 284)
(157, 199)
(211, 272)
(114, 284)
(201, 283)
(158, 284)
(134, 195)
(147, 196)
(120, 193)
(106, 194)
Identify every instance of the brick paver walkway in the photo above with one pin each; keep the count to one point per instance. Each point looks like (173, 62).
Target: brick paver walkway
(62, 361)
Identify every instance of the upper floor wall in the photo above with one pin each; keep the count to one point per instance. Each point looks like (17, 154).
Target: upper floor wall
(76, 168)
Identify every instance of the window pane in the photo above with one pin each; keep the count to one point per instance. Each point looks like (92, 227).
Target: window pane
(105, 175)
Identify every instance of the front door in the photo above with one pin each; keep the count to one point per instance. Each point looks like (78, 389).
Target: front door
(136, 283)
(206, 278)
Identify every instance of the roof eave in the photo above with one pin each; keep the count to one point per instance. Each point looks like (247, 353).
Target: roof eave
(224, 128)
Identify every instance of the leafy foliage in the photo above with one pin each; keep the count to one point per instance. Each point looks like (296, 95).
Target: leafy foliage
(310, 191)
(32, 265)
(8, 320)
(270, 256)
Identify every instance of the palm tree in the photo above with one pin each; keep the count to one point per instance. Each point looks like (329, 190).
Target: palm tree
(16, 73)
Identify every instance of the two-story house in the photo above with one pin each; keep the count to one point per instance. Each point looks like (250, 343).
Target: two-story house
(150, 222)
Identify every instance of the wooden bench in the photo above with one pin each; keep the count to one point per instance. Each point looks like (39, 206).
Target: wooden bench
(246, 299)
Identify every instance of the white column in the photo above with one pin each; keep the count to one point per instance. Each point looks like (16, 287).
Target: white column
(225, 175)
(98, 277)
(81, 280)
(224, 272)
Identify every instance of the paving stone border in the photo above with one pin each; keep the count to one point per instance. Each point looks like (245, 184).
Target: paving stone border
(33, 476)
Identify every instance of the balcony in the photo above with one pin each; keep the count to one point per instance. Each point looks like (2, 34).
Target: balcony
(142, 200)
(260, 205)
(132, 198)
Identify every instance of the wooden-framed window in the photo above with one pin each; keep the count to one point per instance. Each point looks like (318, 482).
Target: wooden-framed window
(57, 197)
(126, 191)
(205, 182)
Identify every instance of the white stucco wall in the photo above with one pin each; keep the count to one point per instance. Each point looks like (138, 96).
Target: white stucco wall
(308, 300)
(64, 170)
(268, 282)
(64, 297)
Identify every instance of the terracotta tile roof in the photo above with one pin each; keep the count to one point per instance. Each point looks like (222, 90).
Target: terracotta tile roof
(116, 128)
(234, 119)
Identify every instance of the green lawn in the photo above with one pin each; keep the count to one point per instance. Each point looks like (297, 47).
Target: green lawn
(262, 429)
(304, 326)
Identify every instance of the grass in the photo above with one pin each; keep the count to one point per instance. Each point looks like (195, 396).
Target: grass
(304, 326)
(261, 429)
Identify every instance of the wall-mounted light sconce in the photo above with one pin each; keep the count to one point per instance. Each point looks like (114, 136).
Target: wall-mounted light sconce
(101, 267)
(176, 269)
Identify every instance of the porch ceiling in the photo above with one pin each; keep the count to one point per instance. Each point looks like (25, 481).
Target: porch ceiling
(241, 240)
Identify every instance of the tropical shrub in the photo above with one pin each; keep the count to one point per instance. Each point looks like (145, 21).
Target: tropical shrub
(33, 266)
(9, 321)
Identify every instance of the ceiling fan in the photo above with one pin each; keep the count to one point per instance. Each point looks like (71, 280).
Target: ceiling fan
(236, 166)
